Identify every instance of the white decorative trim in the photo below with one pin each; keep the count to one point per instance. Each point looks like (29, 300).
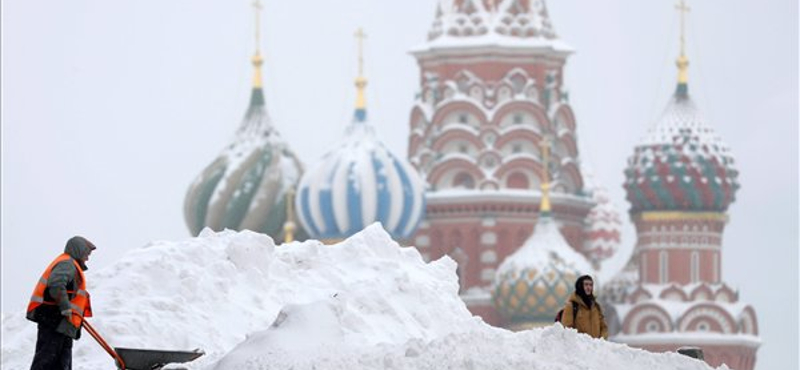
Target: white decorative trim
(646, 314)
(711, 314)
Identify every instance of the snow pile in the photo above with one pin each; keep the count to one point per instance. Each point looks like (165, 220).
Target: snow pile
(364, 303)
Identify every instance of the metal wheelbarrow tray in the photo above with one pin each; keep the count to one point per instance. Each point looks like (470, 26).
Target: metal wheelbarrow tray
(148, 359)
(141, 359)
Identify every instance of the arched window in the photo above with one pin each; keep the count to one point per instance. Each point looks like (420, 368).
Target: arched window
(517, 181)
(464, 180)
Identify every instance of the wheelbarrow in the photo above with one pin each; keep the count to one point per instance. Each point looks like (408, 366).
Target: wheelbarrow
(141, 359)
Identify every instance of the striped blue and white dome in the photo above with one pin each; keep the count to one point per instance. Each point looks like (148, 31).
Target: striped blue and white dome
(358, 183)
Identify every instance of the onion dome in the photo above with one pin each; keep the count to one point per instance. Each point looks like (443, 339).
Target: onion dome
(603, 225)
(681, 164)
(358, 183)
(247, 185)
(618, 288)
(534, 282)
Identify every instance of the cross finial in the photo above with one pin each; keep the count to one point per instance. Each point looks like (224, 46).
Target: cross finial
(360, 35)
(257, 10)
(683, 9)
(544, 206)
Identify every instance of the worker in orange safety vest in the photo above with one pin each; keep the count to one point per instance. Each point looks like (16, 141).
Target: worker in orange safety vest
(58, 305)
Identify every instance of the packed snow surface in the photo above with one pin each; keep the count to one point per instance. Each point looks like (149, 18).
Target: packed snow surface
(365, 303)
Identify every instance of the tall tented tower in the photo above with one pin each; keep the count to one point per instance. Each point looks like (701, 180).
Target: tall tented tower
(679, 182)
(359, 182)
(250, 184)
(491, 89)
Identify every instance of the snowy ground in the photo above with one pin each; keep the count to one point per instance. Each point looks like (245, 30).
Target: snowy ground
(365, 303)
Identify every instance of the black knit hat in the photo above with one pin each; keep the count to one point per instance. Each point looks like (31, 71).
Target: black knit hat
(587, 299)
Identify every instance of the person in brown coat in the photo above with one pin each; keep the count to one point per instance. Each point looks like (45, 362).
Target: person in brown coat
(590, 319)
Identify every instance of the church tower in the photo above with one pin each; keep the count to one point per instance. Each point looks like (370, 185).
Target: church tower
(491, 76)
(680, 181)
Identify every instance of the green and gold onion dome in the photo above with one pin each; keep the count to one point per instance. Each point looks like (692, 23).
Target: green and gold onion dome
(250, 184)
(532, 284)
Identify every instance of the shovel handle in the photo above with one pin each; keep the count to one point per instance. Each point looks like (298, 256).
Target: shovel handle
(102, 342)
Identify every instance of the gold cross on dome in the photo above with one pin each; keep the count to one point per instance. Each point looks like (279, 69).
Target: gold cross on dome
(257, 10)
(683, 9)
(360, 35)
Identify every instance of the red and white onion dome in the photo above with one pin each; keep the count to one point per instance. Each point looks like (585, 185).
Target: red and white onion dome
(681, 164)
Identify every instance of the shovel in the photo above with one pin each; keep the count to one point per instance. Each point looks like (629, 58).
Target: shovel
(141, 359)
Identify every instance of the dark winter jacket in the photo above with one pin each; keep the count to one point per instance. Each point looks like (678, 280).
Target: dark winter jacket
(588, 320)
(62, 278)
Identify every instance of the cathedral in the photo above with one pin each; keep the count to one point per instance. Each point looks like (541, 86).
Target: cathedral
(494, 180)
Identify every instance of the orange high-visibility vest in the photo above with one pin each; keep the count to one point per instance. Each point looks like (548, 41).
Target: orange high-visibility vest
(79, 304)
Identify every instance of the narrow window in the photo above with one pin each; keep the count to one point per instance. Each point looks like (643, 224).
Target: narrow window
(695, 268)
(643, 267)
(716, 267)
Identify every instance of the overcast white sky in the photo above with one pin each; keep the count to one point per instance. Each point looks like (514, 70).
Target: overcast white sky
(110, 110)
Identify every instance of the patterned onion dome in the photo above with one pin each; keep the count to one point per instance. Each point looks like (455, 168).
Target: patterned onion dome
(246, 186)
(621, 285)
(682, 164)
(603, 228)
(358, 183)
(533, 283)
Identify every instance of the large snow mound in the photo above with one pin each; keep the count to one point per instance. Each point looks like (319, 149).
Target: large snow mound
(363, 303)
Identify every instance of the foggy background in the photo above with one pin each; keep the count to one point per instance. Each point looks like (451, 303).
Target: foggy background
(111, 109)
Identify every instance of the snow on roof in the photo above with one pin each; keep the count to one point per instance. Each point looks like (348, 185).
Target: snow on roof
(492, 43)
(445, 196)
(542, 247)
(507, 24)
(365, 303)
(676, 309)
(690, 338)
